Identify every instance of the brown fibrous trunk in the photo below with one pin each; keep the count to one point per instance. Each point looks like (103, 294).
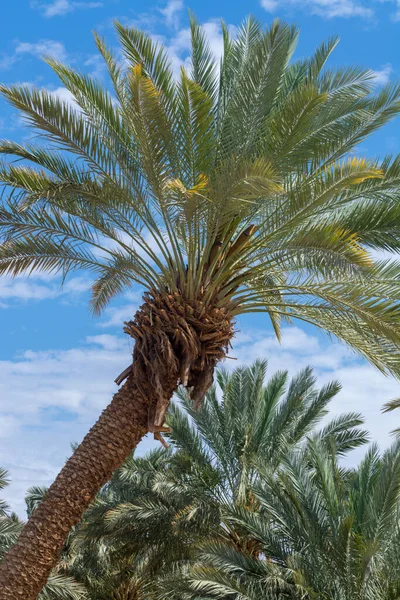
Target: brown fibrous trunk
(176, 342)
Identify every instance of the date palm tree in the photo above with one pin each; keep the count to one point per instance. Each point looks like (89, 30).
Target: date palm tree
(227, 190)
(322, 531)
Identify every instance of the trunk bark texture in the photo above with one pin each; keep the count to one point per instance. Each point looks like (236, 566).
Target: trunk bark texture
(25, 569)
(175, 342)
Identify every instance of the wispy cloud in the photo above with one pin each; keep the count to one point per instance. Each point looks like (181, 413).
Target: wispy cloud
(364, 389)
(62, 7)
(394, 15)
(105, 341)
(382, 76)
(324, 8)
(178, 44)
(177, 39)
(37, 49)
(115, 317)
(22, 289)
(269, 5)
(171, 11)
(96, 66)
(42, 48)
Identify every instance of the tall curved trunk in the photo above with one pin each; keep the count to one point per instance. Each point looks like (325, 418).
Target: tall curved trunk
(175, 342)
(25, 569)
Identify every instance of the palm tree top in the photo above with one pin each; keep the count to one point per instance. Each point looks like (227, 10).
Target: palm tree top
(233, 184)
(328, 532)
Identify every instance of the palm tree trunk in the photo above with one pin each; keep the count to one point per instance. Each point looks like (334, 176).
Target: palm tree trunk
(25, 569)
(175, 342)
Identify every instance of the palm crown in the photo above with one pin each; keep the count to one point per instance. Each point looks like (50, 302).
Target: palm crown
(233, 183)
(328, 532)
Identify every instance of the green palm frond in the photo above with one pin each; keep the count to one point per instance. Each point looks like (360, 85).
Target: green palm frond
(164, 177)
(329, 532)
(33, 497)
(61, 587)
(343, 433)
(4, 481)
(10, 528)
(203, 67)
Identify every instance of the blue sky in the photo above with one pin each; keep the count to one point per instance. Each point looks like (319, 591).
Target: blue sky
(58, 363)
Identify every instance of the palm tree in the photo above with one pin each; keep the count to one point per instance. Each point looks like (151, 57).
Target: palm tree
(159, 509)
(225, 191)
(322, 531)
(246, 424)
(58, 586)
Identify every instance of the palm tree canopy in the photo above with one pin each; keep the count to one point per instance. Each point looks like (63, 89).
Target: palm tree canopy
(233, 182)
(323, 531)
(248, 424)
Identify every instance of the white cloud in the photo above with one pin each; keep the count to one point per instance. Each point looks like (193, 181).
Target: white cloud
(269, 5)
(105, 340)
(25, 290)
(61, 92)
(97, 66)
(296, 350)
(323, 8)
(79, 380)
(24, 475)
(179, 43)
(396, 15)
(178, 46)
(41, 48)
(38, 49)
(171, 11)
(62, 7)
(7, 61)
(76, 285)
(364, 388)
(8, 426)
(49, 399)
(115, 317)
(382, 76)
(36, 288)
(339, 8)
(214, 35)
(58, 7)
